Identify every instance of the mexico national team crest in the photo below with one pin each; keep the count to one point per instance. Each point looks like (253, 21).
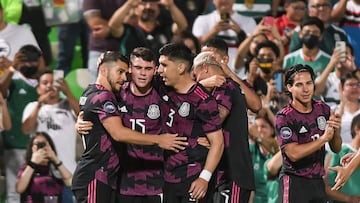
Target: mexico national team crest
(153, 111)
(184, 109)
(321, 122)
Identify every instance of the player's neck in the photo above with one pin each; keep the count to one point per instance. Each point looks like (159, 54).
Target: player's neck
(301, 106)
(184, 85)
(140, 91)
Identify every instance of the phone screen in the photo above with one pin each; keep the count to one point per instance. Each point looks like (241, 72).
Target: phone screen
(278, 77)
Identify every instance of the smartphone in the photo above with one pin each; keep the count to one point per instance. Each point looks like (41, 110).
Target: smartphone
(268, 20)
(341, 45)
(41, 145)
(278, 77)
(58, 74)
(225, 17)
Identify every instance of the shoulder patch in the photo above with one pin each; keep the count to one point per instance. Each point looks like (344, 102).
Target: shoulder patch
(82, 100)
(285, 132)
(109, 107)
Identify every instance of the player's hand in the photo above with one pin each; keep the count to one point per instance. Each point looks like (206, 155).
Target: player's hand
(204, 142)
(198, 189)
(213, 81)
(81, 126)
(172, 142)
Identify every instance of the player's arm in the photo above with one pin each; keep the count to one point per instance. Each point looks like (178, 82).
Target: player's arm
(296, 151)
(199, 187)
(118, 132)
(336, 141)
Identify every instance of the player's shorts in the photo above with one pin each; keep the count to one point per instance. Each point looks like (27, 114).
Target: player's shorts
(230, 192)
(96, 192)
(140, 199)
(294, 189)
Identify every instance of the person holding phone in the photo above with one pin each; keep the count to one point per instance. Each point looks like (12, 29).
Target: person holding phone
(55, 116)
(44, 174)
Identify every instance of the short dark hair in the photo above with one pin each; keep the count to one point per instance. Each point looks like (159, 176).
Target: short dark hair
(43, 72)
(311, 20)
(178, 51)
(267, 44)
(351, 75)
(351, 48)
(145, 53)
(294, 1)
(111, 56)
(355, 123)
(29, 153)
(31, 52)
(219, 44)
(294, 70)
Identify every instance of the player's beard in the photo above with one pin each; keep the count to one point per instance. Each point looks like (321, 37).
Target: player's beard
(113, 85)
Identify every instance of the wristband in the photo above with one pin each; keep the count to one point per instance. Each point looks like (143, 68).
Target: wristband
(206, 175)
(58, 164)
(32, 164)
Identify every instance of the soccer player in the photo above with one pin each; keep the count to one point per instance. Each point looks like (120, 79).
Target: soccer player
(235, 174)
(192, 113)
(303, 127)
(95, 178)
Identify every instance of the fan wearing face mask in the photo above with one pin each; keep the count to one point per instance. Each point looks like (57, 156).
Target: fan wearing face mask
(263, 65)
(311, 34)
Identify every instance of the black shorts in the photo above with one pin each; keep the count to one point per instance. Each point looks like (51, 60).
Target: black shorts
(140, 199)
(230, 193)
(178, 192)
(96, 192)
(294, 189)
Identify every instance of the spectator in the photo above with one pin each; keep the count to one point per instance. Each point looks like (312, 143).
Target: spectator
(99, 164)
(18, 86)
(13, 37)
(187, 173)
(272, 170)
(97, 13)
(68, 36)
(226, 24)
(267, 57)
(189, 40)
(303, 127)
(286, 24)
(346, 13)
(322, 10)
(148, 32)
(311, 34)
(5, 120)
(350, 191)
(328, 82)
(246, 50)
(234, 173)
(349, 105)
(37, 181)
(263, 146)
(257, 9)
(55, 116)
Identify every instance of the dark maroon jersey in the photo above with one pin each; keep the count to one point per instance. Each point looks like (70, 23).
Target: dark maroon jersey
(191, 115)
(100, 159)
(142, 173)
(294, 126)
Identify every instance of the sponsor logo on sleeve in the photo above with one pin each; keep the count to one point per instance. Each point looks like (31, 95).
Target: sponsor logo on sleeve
(109, 107)
(285, 132)
(82, 100)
